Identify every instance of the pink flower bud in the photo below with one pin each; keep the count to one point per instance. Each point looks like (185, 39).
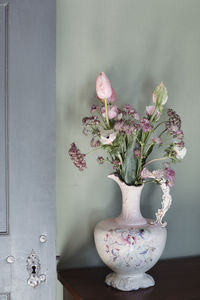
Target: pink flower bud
(112, 111)
(103, 86)
(160, 95)
(113, 97)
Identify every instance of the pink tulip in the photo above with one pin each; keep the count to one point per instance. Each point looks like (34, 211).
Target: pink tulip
(112, 111)
(103, 87)
(113, 97)
(160, 95)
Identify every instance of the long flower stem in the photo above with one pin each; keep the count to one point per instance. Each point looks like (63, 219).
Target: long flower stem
(156, 159)
(106, 112)
(93, 150)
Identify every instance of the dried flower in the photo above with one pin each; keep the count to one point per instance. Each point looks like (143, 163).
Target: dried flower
(77, 157)
(174, 122)
(103, 86)
(145, 124)
(170, 174)
(86, 121)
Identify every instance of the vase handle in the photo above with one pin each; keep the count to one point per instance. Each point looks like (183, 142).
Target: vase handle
(166, 203)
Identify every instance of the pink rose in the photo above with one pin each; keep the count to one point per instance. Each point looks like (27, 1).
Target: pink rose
(112, 111)
(103, 86)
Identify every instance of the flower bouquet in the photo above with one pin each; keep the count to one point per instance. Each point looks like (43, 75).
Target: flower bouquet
(131, 244)
(129, 139)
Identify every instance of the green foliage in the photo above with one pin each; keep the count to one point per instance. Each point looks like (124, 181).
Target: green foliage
(129, 164)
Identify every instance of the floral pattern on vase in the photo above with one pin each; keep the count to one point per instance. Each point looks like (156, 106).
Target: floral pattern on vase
(129, 244)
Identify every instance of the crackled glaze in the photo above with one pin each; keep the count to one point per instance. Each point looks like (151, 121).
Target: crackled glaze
(129, 244)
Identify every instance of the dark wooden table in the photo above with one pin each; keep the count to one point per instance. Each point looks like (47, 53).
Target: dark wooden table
(176, 279)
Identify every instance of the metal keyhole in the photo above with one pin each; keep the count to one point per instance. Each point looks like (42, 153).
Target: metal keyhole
(33, 269)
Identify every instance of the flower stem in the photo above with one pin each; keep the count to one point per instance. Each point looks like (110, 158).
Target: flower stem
(93, 150)
(106, 112)
(156, 159)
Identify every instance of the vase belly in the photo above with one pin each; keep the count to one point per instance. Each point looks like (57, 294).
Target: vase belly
(130, 251)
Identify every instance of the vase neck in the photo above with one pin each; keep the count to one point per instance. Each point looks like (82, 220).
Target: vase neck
(130, 214)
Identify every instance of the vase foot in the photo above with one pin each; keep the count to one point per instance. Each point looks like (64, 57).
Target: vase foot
(128, 282)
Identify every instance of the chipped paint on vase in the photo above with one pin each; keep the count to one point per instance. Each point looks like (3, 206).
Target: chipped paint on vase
(129, 244)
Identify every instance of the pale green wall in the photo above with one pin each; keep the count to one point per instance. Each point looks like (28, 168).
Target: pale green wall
(137, 44)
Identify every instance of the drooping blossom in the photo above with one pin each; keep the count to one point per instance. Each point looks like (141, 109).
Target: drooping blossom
(100, 160)
(145, 124)
(157, 140)
(77, 157)
(170, 175)
(103, 86)
(160, 95)
(107, 137)
(180, 152)
(112, 111)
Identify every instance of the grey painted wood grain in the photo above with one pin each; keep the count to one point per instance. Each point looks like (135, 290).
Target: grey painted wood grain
(32, 143)
(3, 120)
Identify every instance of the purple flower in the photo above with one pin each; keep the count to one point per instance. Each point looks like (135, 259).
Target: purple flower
(116, 163)
(170, 174)
(77, 157)
(93, 108)
(100, 160)
(90, 121)
(145, 124)
(129, 109)
(137, 153)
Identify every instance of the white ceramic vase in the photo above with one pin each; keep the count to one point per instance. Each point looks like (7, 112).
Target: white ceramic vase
(129, 245)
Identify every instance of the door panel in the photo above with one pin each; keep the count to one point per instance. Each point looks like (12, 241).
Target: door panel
(27, 126)
(3, 120)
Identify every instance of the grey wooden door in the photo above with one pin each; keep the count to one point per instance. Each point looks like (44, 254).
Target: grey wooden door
(27, 150)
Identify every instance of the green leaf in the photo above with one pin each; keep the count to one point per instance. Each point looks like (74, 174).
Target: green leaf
(129, 164)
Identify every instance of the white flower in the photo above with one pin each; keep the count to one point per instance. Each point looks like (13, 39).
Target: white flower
(180, 152)
(107, 137)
